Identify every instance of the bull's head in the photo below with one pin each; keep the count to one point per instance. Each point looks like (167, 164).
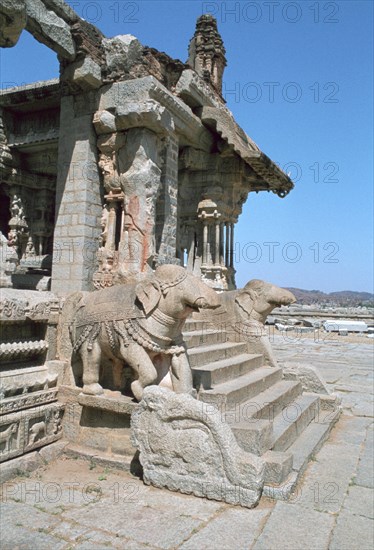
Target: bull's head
(258, 298)
(175, 292)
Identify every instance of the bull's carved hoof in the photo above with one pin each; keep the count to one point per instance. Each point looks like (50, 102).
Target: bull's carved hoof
(137, 389)
(92, 389)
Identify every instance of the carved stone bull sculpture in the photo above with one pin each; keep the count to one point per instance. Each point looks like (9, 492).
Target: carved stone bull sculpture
(133, 323)
(243, 313)
(253, 304)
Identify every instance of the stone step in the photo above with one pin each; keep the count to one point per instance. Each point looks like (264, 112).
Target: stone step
(272, 401)
(312, 438)
(217, 372)
(251, 421)
(196, 324)
(231, 393)
(292, 421)
(215, 352)
(278, 466)
(303, 449)
(253, 435)
(205, 337)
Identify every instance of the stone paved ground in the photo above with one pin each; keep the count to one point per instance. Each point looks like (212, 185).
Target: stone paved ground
(75, 504)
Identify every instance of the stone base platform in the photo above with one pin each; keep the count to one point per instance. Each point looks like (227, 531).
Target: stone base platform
(99, 423)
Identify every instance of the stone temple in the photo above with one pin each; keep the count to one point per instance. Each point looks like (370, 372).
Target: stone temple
(129, 169)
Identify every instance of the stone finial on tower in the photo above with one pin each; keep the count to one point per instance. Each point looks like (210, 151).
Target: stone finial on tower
(206, 51)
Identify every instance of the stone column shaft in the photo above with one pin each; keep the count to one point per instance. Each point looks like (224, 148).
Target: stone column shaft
(231, 245)
(205, 242)
(78, 200)
(217, 243)
(227, 244)
(191, 249)
(221, 245)
(112, 217)
(167, 202)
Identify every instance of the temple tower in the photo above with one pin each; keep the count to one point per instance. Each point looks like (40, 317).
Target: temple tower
(206, 51)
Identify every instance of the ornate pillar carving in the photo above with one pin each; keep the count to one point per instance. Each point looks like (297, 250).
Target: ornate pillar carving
(132, 180)
(110, 243)
(19, 230)
(211, 268)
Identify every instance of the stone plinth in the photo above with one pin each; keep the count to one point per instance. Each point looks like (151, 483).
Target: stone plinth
(100, 423)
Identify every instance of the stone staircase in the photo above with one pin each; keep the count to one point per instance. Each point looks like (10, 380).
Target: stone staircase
(269, 416)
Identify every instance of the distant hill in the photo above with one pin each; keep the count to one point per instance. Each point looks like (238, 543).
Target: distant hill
(342, 298)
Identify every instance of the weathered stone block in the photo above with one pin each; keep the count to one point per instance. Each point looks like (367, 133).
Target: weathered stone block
(308, 375)
(12, 21)
(121, 52)
(255, 436)
(49, 28)
(150, 114)
(104, 122)
(278, 466)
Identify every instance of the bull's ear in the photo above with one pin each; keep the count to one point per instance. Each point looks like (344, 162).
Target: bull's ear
(148, 293)
(245, 300)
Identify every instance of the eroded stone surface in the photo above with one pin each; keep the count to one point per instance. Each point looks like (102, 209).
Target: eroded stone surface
(184, 446)
(243, 313)
(308, 375)
(12, 21)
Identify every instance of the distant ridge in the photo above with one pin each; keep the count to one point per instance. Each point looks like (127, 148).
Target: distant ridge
(341, 298)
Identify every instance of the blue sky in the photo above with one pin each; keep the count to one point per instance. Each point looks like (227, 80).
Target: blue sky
(299, 81)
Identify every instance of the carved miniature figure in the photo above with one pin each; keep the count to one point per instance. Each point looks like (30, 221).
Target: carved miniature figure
(110, 175)
(6, 436)
(37, 431)
(16, 207)
(136, 323)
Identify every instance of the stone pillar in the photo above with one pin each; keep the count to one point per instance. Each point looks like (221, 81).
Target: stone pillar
(191, 249)
(217, 243)
(227, 245)
(231, 245)
(205, 243)
(221, 245)
(111, 228)
(140, 175)
(209, 260)
(167, 203)
(78, 201)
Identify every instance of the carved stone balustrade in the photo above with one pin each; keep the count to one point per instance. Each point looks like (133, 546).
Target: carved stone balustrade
(30, 416)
